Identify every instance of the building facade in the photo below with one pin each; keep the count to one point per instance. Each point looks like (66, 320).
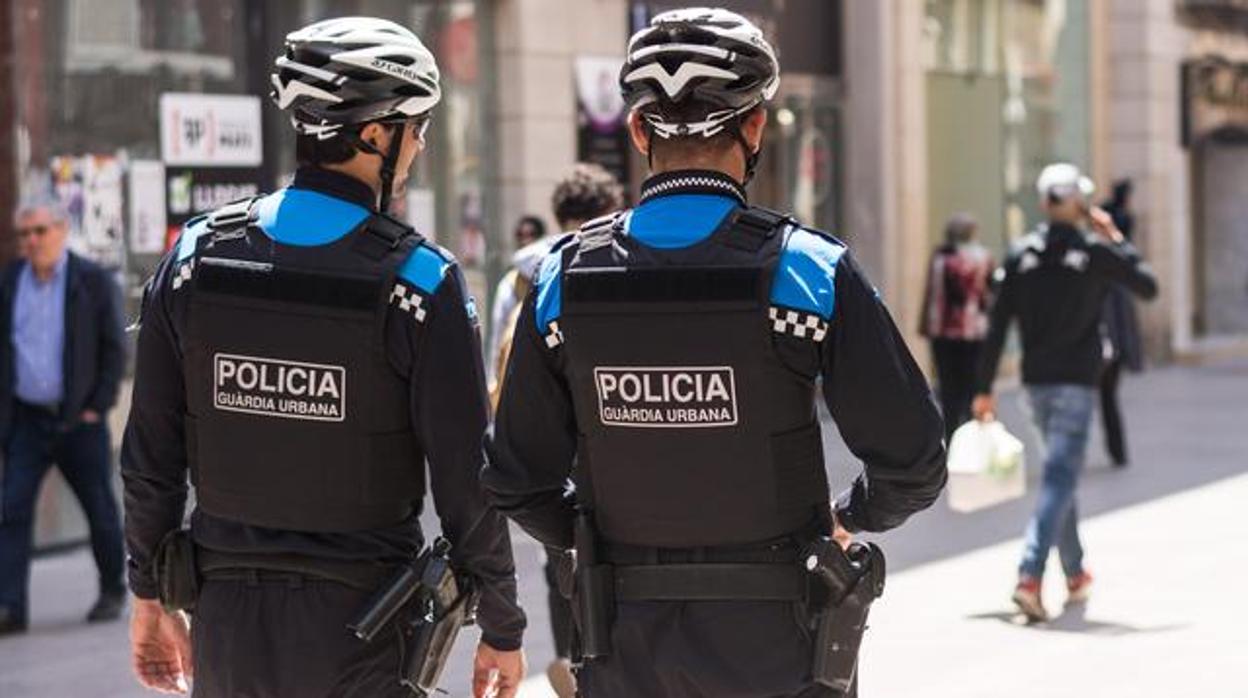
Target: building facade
(892, 116)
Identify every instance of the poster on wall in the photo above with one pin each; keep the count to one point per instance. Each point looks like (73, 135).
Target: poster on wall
(601, 132)
(147, 207)
(193, 191)
(89, 187)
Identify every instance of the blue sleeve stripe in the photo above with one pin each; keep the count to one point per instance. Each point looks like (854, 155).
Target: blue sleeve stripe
(806, 275)
(190, 235)
(549, 292)
(425, 268)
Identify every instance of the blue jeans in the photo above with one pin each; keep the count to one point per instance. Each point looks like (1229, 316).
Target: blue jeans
(1063, 415)
(82, 454)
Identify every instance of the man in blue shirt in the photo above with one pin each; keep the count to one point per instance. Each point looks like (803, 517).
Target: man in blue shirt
(60, 371)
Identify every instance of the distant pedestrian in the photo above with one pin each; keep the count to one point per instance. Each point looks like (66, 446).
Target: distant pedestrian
(1055, 283)
(955, 315)
(59, 375)
(512, 287)
(1122, 346)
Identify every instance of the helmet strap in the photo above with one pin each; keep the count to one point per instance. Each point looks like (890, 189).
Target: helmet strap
(751, 156)
(388, 160)
(651, 134)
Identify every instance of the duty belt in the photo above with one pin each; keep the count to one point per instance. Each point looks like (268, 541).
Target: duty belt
(363, 576)
(766, 572)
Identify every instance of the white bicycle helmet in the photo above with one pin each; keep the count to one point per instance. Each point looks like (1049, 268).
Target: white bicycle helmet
(704, 56)
(353, 71)
(338, 75)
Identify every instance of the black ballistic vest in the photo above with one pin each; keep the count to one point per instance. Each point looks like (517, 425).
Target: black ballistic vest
(694, 432)
(296, 420)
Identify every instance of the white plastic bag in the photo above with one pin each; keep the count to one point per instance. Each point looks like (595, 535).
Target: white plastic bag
(986, 466)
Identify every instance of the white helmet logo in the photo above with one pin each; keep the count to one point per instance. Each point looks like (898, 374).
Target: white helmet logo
(288, 93)
(672, 84)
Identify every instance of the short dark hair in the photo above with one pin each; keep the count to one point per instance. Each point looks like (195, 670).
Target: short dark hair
(537, 224)
(311, 151)
(587, 192)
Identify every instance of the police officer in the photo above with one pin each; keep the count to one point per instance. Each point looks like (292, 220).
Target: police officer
(667, 362)
(302, 355)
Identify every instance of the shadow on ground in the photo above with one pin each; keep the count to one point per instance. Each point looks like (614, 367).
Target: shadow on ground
(1073, 619)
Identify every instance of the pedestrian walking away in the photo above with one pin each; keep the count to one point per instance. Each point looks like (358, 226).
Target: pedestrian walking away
(302, 354)
(673, 353)
(60, 370)
(955, 315)
(1122, 348)
(1055, 283)
(511, 288)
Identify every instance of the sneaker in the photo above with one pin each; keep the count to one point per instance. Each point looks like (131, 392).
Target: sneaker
(108, 607)
(1077, 588)
(559, 673)
(1027, 598)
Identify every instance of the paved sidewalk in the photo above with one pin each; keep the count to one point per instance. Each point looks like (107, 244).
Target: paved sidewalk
(1166, 618)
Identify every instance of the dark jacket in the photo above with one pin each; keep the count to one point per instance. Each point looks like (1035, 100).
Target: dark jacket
(95, 354)
(1122, 329)
(1055, 283)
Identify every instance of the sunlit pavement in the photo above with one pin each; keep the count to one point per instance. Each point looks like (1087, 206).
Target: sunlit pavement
(1167, 539)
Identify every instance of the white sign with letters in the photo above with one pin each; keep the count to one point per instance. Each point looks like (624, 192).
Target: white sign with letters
(210, 130)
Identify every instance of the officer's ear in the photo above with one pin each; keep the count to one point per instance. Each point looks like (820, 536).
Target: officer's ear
(752, 127)
(638, 132)
(376, 135)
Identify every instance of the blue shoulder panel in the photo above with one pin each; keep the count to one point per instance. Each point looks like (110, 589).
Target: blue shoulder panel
(806, 276)
(307, 218)
(549, 289)
(679, 220)
(426, 266)
(191, 233)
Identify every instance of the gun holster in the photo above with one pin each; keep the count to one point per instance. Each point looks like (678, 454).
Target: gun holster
(438, 605)
(853, 579)
(177, 571)
(594, 596)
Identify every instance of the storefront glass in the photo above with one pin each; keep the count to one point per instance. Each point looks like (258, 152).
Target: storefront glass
(100, 83)
(91, 75)
(1008, 93)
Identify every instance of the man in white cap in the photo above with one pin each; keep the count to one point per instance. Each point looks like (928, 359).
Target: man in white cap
(1055, 282)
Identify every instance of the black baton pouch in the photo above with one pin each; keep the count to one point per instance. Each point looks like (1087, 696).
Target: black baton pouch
(177, 573)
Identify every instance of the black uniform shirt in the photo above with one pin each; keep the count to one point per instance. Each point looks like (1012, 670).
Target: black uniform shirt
(440, 358)
(1055, 282)
(871, 384)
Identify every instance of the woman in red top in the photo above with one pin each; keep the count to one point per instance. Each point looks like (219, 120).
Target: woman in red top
(955, 314)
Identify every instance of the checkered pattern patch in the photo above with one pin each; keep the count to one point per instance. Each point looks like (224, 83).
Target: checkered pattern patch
(554, 336)
(798, 324)
(408, 300)
(182, 274)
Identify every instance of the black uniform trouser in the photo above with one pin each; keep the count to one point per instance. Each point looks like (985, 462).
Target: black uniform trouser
(285, 636)
(956, 363)
(706, 649)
